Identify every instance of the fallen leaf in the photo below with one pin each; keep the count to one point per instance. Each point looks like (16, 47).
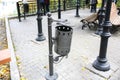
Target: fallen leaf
(17, 58)
(83, 68)
(22, 78)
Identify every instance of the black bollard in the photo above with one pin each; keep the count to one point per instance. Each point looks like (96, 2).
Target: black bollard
(59, 9)
(77, 8)
(93, 5)
(64, 5)
(101, 63)
(101, 16)
(39, 22)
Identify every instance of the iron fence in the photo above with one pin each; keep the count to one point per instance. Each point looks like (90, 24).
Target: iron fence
(65, 5)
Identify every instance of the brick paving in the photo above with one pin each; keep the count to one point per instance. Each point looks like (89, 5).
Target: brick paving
(84, 50)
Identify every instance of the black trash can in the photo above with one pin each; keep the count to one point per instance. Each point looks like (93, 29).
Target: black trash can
(26, 7)
(63, 36)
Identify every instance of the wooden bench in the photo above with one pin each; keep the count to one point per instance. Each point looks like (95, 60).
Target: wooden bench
(114, 18)
(89, 21)
(4, 56)
(118, 10)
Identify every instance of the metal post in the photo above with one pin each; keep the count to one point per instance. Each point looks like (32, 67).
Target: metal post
(24, 12)
(59, 9)
(101, 62)
(39, 21)
(51, 75)
(54, 5)
(77, 8)
(48, 6)
(64, 5)
(101, 16)
(18, 10)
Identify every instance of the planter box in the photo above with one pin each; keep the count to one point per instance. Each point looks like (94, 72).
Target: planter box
(4, 52)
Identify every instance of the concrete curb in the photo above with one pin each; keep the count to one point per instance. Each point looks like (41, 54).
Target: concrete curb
(104, 74)
(14, 72)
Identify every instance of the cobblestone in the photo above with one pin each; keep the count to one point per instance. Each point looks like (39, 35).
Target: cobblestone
(85, 47)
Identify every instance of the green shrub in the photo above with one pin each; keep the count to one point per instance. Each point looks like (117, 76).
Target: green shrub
(118, 3)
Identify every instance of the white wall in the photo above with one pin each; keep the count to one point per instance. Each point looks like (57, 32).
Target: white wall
(8, 7)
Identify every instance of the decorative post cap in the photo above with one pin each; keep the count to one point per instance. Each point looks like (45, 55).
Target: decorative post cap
(49, 14)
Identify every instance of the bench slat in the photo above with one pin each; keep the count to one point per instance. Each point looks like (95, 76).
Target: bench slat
(4, 56)
(114, 17)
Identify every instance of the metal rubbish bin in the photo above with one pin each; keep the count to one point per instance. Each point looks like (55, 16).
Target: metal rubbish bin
(63, 36)
(26, 7)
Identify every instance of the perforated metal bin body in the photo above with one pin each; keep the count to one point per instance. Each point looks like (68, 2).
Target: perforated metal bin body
(63, 36)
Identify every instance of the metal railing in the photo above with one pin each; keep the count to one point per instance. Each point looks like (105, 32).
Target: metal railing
(20, 9)
(65, 5)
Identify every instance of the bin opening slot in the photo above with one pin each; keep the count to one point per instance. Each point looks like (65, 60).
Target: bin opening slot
(64, 28)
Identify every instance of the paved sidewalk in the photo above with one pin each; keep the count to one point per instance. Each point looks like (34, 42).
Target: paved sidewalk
(33, 55)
